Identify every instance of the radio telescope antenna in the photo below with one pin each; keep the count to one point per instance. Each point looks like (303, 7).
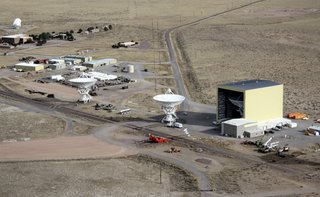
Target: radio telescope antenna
(16, 23)
(169, 103)
(83, 85)
(239, 103)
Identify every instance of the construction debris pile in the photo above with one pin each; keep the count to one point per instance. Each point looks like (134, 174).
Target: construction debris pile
(39, 92)
(298, 115)
(268, 146)
(108, 107)
(91, 30)
(173, 150)
(312, 130)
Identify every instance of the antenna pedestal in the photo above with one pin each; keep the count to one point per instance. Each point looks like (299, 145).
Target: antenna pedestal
(170, 112)
(84, 95)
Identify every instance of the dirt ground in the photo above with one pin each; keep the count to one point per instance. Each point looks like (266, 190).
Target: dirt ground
(128, 176)
(15, 126)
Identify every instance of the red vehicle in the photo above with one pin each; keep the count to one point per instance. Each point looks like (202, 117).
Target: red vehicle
(156, 139)
(41, 61)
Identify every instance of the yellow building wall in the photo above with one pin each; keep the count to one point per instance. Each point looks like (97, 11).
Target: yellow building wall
(39, 67)
(263, 103)
(30, 68)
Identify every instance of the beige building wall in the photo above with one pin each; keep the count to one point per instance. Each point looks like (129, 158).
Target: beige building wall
(263, 103)
(30, 68)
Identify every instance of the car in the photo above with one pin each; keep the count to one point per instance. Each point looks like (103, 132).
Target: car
(177, 125)
(276, 129)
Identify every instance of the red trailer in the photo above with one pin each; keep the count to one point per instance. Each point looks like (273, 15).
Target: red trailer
(156, 139)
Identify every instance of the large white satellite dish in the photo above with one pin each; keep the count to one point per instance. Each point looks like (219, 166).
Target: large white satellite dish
(16, 23)
(83, 85)
(169, 103)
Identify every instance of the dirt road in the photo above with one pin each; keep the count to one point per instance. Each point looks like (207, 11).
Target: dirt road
(59, 148)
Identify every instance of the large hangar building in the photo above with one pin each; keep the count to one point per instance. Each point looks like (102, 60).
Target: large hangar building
(248, 107)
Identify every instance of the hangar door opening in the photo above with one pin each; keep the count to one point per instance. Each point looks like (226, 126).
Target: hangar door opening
(230, 104)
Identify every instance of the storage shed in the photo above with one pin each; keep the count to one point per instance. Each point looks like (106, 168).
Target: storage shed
(100, 62)
(16, 39)
(29, 66)
(57, 64)
(80, 57)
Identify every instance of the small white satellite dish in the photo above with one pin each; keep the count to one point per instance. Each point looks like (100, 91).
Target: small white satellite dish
(16, 23)
(83, 85)
(168, 103)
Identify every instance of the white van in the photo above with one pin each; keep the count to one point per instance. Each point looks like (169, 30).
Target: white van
(177, 125)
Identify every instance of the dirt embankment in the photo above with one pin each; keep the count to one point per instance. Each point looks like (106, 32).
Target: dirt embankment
(126, 176)
(180, 180)
(188, 71)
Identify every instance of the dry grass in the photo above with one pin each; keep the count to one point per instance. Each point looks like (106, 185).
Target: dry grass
(266, 41)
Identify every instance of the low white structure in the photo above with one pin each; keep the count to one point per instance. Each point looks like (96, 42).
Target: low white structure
(100, 62)
(17, 39)
(240, 127)
(57, 64)
(98, 75)
(80, 57)
(78, 68)
(237, 127)
(264, 125)
(57, 78)
(72, 61)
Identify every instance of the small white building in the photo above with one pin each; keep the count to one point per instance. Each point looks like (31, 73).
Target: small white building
(57, 78)
(78, 68)
(80, 57)
(237, 127)
(72, 61)
(99, 76)
(100, 62)
(57, 64)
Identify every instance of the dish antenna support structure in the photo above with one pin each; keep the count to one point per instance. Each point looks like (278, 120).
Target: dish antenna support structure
(84, 86)
(169, 103)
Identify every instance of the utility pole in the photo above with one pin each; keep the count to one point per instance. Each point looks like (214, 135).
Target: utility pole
(154, 59)
(160, 174)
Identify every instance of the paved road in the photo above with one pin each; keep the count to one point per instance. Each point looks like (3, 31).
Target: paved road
(187, 105)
